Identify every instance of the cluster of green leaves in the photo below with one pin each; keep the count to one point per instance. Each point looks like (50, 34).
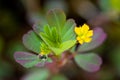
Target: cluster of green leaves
(58, 33)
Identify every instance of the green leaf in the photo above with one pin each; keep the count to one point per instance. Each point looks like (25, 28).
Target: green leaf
(63, 47)
(47, 30)
(56, 38)
(26, 59)
(56, 18)
(67, 44)
(31, 64)
(57, 51)
(37, 74)
(88, 61)
(53, 35)
(67, 32)
(32, 41)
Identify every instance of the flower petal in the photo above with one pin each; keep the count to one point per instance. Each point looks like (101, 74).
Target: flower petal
(77, 30)
(78, 38)
(85, 28)
(89, 33)
(98, 38)
(81, 41)
(87, 40)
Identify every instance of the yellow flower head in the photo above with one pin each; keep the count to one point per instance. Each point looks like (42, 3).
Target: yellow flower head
(83, 34)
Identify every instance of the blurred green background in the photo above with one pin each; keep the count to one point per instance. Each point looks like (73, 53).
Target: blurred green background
(17, 17)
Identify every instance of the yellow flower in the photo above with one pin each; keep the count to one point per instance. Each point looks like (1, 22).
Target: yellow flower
(83, 34)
